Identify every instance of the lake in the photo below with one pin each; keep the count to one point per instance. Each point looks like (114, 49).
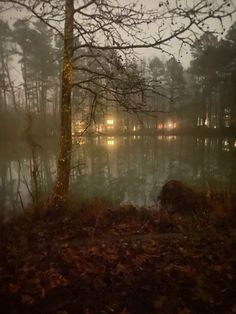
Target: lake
(120, 169)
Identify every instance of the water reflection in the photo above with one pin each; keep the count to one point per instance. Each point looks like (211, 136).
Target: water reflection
(118, 168)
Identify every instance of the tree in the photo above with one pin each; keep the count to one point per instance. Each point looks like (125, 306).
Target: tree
(203, 67)
(101, 25)
(37, 62)
(157, 72)
(175, 79)
(5, 35)
(176, 85)
(231, 58)
(213, 70)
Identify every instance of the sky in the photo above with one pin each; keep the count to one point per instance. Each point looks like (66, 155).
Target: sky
(150, 52)
(186, 55)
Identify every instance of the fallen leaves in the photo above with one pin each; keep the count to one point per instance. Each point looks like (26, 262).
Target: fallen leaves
(117, 269)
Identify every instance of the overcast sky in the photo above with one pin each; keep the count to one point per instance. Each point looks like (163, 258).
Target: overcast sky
(185, 56)
(149, 53)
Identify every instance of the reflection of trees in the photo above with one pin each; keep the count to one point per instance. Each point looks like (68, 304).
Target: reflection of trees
(3, 187)
(131, 171)
(98, 178)
(140, 163)
(17, 186)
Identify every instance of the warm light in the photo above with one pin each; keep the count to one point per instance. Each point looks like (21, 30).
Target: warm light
(77, 127)
(110, 141)
(206, 123)
(168, 125)
(78, 140)
(134, 128)
(167, 138)
(99, 129)
(226, 146)
(160, 126)
(110, 122)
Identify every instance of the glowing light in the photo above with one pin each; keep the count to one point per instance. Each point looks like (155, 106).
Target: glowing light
(111, 141)
(110, 122)
(169, 125)
(99, 129)
(78, 140)
(134, 128)
(226, 146)
(77, 127)
(167, 138)
(206, 123)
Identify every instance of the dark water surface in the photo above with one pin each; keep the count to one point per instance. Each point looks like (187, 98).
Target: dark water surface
(118, 168)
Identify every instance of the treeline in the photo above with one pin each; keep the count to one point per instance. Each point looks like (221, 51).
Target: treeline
(159, 93)
(29, 75)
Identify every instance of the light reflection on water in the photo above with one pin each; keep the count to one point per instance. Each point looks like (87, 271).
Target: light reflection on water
(119, 168)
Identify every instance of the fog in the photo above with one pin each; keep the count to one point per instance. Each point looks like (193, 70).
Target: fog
(117, 156)
(132, 107)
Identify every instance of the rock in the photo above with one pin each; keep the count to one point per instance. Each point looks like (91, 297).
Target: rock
(177, 197)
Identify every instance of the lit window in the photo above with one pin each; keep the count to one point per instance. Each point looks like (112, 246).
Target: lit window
(110, 122)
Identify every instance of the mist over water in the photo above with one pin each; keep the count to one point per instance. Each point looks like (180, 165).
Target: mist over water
(119, 169)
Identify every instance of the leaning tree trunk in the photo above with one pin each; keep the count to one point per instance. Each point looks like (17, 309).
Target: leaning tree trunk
(60, 194)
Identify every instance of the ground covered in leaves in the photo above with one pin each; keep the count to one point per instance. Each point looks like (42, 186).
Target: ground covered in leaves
(116, 261)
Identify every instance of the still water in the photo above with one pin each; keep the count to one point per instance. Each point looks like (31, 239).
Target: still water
(120, 169)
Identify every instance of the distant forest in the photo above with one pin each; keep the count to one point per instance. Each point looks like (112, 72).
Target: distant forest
(202, 96)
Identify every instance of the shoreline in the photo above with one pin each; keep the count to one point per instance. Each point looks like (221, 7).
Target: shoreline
(93, 259)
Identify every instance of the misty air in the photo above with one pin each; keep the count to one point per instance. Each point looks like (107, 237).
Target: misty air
(117, 156)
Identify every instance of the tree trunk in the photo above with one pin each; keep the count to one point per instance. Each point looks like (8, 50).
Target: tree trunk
(11, 87)
(3, 87)
(60, 194)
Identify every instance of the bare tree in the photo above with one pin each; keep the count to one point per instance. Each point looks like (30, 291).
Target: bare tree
(94, 27)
